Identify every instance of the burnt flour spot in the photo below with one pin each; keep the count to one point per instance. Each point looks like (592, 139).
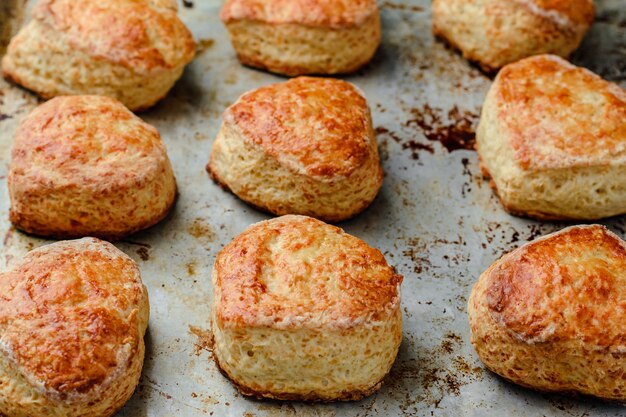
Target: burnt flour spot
(455, 129)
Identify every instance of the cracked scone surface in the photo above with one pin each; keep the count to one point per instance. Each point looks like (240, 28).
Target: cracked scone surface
(552, 138)
(87, 166)
(299, 37)
(131, 50)
(494, 33)
(304, 311)
(305, 146)
(550, 315)
(73, 315)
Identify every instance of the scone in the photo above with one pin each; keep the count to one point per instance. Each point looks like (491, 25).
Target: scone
(72, 320)
(551, 315)
(303, 311)
(494, 33)
(553, 139)
(86, 166)
(131, 50)
(305, 146)
(297, 37)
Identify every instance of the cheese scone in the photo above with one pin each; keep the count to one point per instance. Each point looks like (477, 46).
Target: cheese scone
(494, 33)
(305, 146)
(298, 37)
(131, 50)
(551, 315)
(552, 138)
(87, 166)
(72, 321)
(303, 311)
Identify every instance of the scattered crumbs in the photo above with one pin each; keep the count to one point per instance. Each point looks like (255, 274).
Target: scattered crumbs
(417, 252)
(414, 146)
(204, 340)
(194, 395)
(457, 133)
(143, 253)
(203, 44)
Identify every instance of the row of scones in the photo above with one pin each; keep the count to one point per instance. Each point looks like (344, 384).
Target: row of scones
(301, 310)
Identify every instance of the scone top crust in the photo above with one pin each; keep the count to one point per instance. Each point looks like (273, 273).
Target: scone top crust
(565, 286)
(298, 272)
(326, 13)
(557, 115)
(315, 126)
(562, 12)
(72, 315)
(142, 35)
(93, 141)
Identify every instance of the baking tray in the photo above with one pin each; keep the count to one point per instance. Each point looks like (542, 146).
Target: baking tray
(435, 219)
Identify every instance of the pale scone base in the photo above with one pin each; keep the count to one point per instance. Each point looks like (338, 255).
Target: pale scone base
(305, 365)
(292, 49)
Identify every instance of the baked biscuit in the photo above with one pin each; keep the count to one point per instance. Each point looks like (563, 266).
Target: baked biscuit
(86, 166)
(131, 50)
(72, 320)
(305, 146)
(550, 315)
(297, 37)
(494, 33)
(303, 311)
(553, 139)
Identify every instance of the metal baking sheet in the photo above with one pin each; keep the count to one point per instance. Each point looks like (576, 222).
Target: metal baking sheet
(435, 219)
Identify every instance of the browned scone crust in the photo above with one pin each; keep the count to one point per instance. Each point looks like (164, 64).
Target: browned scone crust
(299, 37)
(553, 139)
(131, 50)
(72, 320)
(306, 146)
(550, 315)
(303, 311)
(86, 166)
(494, 33)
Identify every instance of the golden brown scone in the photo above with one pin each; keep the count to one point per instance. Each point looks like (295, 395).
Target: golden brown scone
(297, 37)
(86, 166)
(303, 311)
(494, 33)
(131, 50)
(72, 320)
(305, 146)
(550, 315)
(553, 139)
